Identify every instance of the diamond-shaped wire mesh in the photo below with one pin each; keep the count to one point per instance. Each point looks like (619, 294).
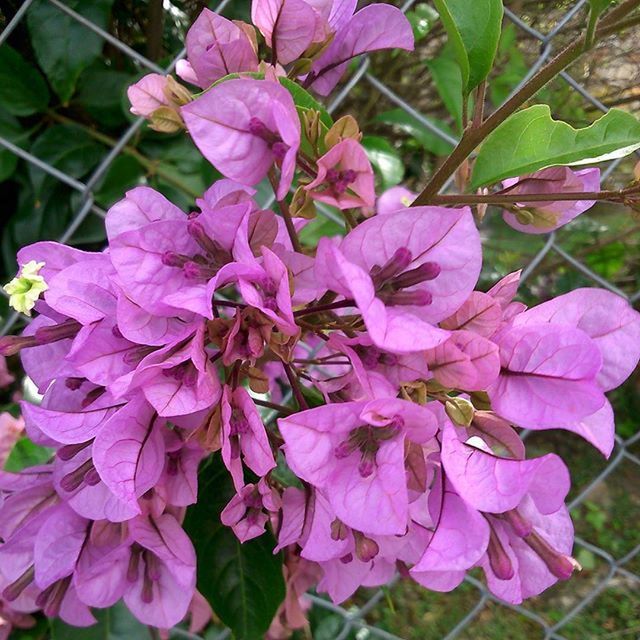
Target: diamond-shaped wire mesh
(356, 621)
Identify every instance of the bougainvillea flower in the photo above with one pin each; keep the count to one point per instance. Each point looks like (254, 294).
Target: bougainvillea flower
(148, 94)
(492, 483)
(394, 199)
(609, 320)
(288, 26)
(243, 434)
(176, 380)
(355, 450)
(465, 360)
(170, 266)
(268, 290)
(217, 47)
(523, 562)
(243, 127)
(153, 569)
(345, 177)
(405, 272)
(248, 511)
(542, 217)
(374, 27)
(460, 538)
(548, 377)
(128, 452)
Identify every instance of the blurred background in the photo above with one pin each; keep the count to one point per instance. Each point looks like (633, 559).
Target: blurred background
(69, 149)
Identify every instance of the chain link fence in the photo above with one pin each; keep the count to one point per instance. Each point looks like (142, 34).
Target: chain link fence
(355, 621)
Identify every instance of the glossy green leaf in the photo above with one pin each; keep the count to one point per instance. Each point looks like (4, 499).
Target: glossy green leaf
(11, 130)
(242, 582)
(473, 28)
(101, 91)
(68, 148)
(448, 82)
(531, 140)
(385, 160)
(23, 90)
(116, 623)
(26, 453)
(304, 100)
(63, 46)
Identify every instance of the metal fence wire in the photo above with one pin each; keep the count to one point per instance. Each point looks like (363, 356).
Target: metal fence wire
(355, 621)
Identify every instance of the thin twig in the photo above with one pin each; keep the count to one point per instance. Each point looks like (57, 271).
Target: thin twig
(473, 136)
(286, 214)
(295, 386)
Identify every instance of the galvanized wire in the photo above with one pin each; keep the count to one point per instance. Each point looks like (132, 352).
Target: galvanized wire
(355, 619)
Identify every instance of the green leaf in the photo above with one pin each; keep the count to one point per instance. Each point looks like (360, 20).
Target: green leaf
(116, 623)
(11, 130)
(123, 174)
(531, 140)
(62, 45)
(101, 92)
(242, 582)
(448, 81)
(304, 100)
(596, 8)
(26, 453)
(385, 160)
(68, 148)
(473, 28)
(424, 137)
(23, 90)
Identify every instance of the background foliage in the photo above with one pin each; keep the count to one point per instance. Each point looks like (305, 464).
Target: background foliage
(62, 99)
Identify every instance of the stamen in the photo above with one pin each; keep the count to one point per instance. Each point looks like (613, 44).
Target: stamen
(398, 262)
(520, 525)
(69, 451)
(75, 478)
(173, 259)
(57, 332)
(423, 273)
(498, 558)
(561, 566)
(10, 345)
(406, 298)
(366, 548)
(12, 591)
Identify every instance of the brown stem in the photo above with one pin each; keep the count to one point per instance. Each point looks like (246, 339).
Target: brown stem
(510, 198)
(280, 408)
(473, 136)
(286, 214)
(324, 307)
(295, 386)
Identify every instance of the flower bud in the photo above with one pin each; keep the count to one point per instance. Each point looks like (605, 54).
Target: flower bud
(460, 411)
(165, 120)
(176, 93)
(303, 205)
(312, 126)
(345, 127)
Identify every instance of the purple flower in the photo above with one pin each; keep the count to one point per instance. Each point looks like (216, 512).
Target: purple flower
(248, 511)
(542, 217)
(244, 127)
(375, 27)
(216, 47)
(243, 435)
(355, 452)
(152, 569)
(345, 177)
(405, 272)
(394, 199)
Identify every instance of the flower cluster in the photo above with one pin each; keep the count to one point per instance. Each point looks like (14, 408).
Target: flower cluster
(167, 347)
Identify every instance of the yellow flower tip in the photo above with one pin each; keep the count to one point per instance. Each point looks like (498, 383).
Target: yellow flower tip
(25, 289)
